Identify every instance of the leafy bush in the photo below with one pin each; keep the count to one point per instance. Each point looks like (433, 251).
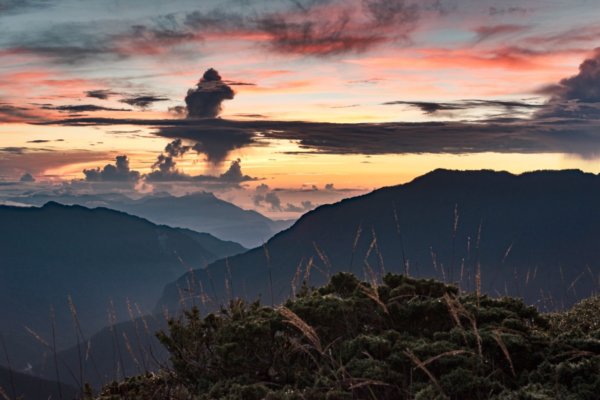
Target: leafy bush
(403, 339)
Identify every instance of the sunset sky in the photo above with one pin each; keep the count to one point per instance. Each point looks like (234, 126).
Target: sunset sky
(283, 105)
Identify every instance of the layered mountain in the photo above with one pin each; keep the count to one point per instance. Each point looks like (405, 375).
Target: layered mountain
(533, 235)
(201, 212)
(68, 271)
(18, 385)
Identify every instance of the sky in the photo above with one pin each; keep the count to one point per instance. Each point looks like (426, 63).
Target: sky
(280, 106)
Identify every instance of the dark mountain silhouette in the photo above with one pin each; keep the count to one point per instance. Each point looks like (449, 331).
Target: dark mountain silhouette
(125, 349)
(201, 212)
(18, 385)
(533, 235)
(98, 257)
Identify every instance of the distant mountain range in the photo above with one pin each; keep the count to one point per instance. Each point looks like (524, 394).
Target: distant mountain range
(534, 235)
(110, 264)
(201, 212)
(18, 385)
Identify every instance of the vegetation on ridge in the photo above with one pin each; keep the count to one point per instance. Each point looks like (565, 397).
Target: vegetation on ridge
(401, 339)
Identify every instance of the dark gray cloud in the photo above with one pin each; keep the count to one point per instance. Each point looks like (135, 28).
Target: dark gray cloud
(102, 94)
(81, 108)
(213, 140)
(568, 123)
(27, 178)
(271, 199)
(296, 27)
(309, 33)
(12, 113)
(304, 30)
(66, 43)
(119, 172)
(39, 141)
(512, 135)
(234, 173)
(13, 150)
(585, 86)
(204, 101)
(266, 197)
(143, 101)
(434, 107)
(577, 96)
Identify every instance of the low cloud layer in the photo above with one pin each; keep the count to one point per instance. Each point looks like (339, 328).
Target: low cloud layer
(265, 197)
(118, 172)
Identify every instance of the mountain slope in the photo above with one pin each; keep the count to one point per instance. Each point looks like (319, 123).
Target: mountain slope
(533, 235)
(22, 386)
(101, 258)
(201, 212)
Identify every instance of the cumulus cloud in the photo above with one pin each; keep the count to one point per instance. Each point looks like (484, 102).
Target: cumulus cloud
(577, 96)
(119, 172)
(271, 199)
(234, 173)
(204, 101)
(27, 177)
(265, 197)
(304, 206)
(585, 86)
(165, 168)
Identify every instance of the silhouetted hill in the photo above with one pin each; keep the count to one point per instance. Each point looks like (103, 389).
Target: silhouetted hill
(125, 349)
(96, 256)
(534, 235)
(201, 212)
(26, 387)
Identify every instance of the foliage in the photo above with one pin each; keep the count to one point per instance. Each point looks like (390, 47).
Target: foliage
(402, 339)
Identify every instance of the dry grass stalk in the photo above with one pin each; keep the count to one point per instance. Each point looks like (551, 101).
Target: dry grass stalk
(477, 336)
(450, 353)
(366, 382)
(130, 350)
(268, 260)
(378, 253)
(3, 394)
(296, 278)
(37, 337)
(453, 309)
(143, 318)
(507, 252)
(502, 345)
(478, 283)
(372, 293)
(308, 331)
(228, 279)
(308, 269)
(324, 259)
(355, 245)
(433, 259)
(399, 232)
(424, 368)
